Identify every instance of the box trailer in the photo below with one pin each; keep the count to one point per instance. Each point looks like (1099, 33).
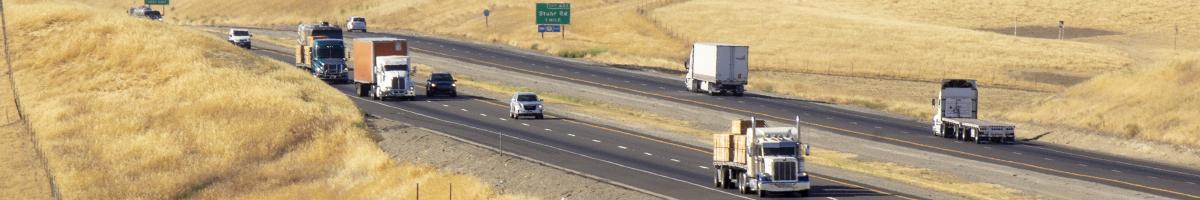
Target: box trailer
(382, 68)
(718, 68)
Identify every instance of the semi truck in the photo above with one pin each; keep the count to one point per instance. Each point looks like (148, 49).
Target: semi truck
(382, 68)
(763, 160)
(717, 68)
(322, 52)
(956, 115)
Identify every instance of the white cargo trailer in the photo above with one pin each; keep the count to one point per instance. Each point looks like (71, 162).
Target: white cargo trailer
(718, 68)
(957, 109)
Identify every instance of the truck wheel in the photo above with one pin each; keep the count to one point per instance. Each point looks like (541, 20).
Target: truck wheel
(742, 186)
(540, 116)
(804, 193)
(761, 192)
(717, 178)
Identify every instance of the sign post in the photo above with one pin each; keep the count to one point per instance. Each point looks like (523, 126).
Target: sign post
(553, 17)
(486, 13)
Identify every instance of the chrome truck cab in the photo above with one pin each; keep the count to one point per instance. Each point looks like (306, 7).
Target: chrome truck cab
(776, 163)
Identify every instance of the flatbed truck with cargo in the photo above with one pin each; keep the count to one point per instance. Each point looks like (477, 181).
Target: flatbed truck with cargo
(957, 115)
(762, 160)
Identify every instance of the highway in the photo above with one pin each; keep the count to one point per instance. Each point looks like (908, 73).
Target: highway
(1165, 180)
(667, 168)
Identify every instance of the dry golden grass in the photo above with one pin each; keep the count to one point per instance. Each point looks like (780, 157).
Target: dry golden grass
(919, 177)
(899, 42)
(1158, 103)
(133, 109)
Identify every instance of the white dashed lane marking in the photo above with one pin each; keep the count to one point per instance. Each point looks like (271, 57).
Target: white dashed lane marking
(503, 119)
(703, 167)
(622, 147)
(1048, 158)
(597, 141)
(647, 153)
(481, 114)
(572, 135)
(547, 129)
(1018, 153)
(525, 124)
(1082, 165)
(464, 109)
(674, 160)
(1117, 171)
(444, 105)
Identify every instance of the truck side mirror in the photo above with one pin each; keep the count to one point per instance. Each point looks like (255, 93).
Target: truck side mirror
(933, 101)
(807, 149)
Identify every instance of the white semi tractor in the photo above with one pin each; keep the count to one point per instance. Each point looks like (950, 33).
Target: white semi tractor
(762, 160)
(957, 108)
(718, 68)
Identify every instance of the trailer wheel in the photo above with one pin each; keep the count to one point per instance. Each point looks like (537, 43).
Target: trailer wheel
(804, 193)
(742, 186)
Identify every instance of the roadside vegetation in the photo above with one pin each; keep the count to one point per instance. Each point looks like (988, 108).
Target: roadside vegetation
(126, 108)
(895, 51)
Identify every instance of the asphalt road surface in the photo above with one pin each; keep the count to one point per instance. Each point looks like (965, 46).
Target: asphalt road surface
(667, 168)
(1168, 181)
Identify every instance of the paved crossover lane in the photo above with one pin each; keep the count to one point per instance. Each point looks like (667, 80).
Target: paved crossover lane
(675, 170)
(1137, 175)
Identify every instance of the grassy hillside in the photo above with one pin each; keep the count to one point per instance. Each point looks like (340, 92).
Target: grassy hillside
(883, 55)
(133, 109)
(1157, 103)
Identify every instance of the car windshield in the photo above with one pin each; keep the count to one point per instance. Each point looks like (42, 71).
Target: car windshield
(360, 19)
(395, 68)
(441, 77)
(241, 33)
(331, 51)
(527, 97)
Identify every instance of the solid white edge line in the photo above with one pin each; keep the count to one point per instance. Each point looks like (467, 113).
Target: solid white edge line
(556, 148)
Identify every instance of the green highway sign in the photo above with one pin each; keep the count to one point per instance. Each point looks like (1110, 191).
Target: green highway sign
(553, 13)
(158, 2)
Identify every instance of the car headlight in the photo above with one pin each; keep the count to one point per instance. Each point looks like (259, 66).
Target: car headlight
(454, 85)
(539, 106)
(433, 85)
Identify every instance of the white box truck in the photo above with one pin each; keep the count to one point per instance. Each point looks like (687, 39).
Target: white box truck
(382, 68)
(718, 68)
(957, 109)
(764, 160)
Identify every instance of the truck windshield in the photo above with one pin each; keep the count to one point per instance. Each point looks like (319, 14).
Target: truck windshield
(360, 19)
(241, 33)
(780, 151)
(527, 97)
(395, 68)
(330, 52)
(328, 33)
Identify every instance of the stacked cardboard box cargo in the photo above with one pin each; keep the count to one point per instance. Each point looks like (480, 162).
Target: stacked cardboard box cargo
(732, 146)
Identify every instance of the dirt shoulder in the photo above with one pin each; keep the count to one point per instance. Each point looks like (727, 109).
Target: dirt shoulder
(506, 173)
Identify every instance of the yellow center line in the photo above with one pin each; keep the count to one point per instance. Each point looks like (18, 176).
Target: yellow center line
(824, 126)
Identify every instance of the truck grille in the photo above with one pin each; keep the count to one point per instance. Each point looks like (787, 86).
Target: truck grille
(784, 171)
(530, 107)
(397, 83)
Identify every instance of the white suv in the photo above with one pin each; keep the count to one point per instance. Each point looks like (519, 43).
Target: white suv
(525, 104)
(240, 37)
(356, 23)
